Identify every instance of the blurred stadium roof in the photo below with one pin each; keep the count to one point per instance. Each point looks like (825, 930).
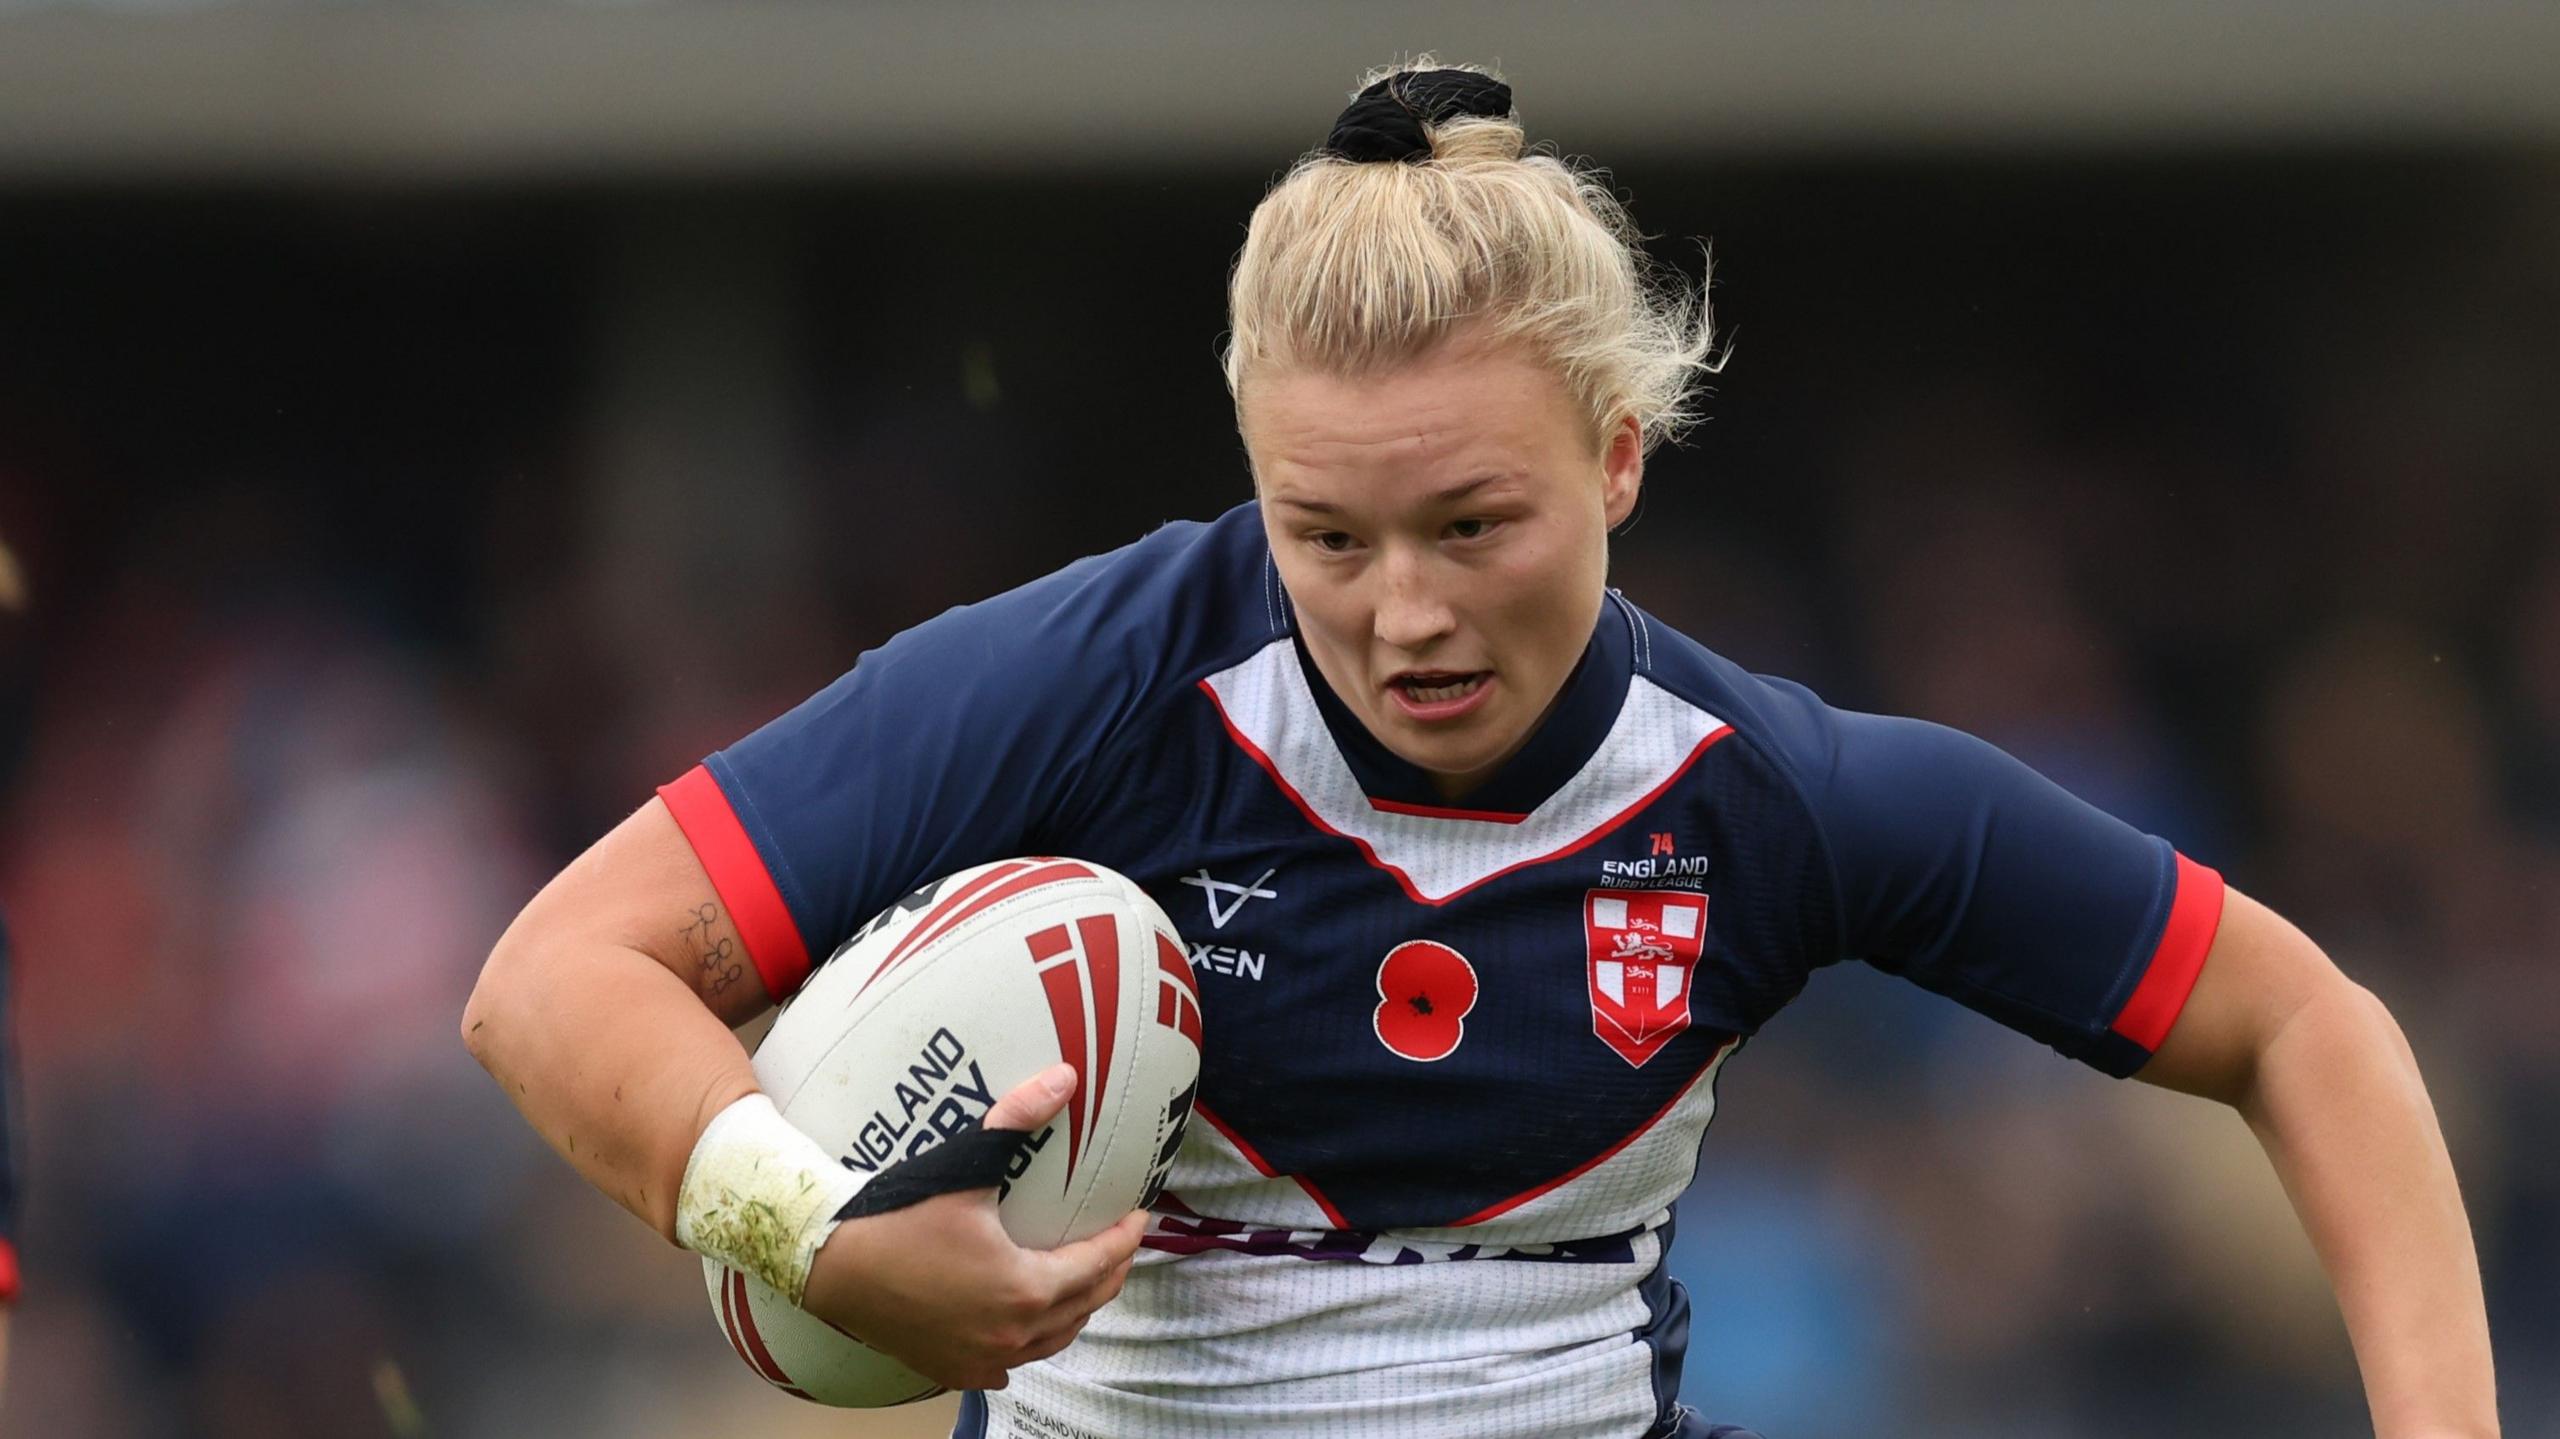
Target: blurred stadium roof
(135, 89)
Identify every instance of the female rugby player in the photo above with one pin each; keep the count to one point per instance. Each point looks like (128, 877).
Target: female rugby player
(1518, 869)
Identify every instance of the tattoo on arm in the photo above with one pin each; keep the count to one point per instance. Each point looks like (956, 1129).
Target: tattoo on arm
(715, 956)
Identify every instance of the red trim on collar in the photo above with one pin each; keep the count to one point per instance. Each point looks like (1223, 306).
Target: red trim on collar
(1439, 811)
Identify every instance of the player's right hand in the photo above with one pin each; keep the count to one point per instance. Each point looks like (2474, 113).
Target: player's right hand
(940, 1287)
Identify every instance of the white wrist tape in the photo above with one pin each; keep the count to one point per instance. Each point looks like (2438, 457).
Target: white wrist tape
(760, 1196)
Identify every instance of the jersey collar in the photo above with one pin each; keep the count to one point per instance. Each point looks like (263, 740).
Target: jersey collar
(1563, 742)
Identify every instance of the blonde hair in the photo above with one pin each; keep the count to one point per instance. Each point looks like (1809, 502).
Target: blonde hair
(1351, 267)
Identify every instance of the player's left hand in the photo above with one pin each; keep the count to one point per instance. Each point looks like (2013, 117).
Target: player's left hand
(940, 1287)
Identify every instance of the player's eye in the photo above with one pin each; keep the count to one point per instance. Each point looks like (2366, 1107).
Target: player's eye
(1332, 542)
(1472, 529)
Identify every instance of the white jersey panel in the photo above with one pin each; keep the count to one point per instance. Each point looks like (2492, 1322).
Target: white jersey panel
(1267, 705)
(1244, 1346)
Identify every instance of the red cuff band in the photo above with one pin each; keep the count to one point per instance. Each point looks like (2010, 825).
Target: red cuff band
(739, 876)
(2194, 914)
(8, 1272)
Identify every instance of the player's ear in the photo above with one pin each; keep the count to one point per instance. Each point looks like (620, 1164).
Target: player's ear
(1621, 469)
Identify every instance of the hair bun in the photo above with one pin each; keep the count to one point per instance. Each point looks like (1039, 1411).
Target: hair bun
(1386, 122)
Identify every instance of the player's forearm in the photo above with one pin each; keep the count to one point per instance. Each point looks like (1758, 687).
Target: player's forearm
(2337, 1101)
(610, 1057)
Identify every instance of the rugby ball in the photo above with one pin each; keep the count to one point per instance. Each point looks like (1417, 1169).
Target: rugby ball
(922, 1020)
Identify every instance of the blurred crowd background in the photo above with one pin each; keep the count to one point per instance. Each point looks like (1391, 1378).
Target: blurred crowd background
(400, 504)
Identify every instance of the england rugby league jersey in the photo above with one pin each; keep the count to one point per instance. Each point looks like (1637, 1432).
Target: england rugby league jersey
(1458, 1060)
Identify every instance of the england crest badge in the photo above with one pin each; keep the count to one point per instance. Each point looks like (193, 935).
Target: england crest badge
(1643, 950)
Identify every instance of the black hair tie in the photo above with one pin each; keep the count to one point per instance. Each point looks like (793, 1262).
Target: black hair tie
(1386, 122)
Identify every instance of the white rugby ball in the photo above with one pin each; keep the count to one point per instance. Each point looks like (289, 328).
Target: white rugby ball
(922, 1020)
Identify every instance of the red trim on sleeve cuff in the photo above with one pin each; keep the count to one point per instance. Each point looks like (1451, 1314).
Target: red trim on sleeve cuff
(2195, 913)
(738, 874)
(8, 1272)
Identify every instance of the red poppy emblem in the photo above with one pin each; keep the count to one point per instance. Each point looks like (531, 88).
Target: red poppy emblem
(1424, 993)
(1644, 947)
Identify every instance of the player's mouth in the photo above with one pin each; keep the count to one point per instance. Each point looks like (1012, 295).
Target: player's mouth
(1438, 696)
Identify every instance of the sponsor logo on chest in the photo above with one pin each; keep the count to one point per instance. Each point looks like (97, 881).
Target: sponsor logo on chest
(1227, 959)
(1222, 900)
(1225, 897)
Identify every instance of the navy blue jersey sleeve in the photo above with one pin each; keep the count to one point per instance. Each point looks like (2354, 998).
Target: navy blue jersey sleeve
(1964, 870)
(958, 742)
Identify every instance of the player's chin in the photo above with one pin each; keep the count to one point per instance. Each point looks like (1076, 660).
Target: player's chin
(1465, 758)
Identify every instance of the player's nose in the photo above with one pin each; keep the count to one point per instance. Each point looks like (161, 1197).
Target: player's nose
(1412, 613)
